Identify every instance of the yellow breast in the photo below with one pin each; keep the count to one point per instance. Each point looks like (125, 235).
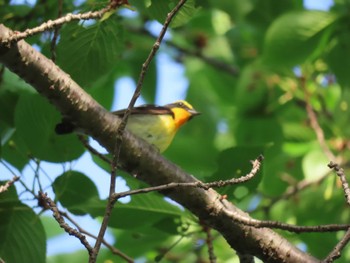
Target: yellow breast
(158, 130)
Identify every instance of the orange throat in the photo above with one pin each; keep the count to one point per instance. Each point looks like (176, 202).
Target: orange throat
(181, 116)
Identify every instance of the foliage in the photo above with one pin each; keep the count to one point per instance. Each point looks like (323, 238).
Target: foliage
(253, 67)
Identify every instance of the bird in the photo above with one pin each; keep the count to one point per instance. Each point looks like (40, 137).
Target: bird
(157, 125)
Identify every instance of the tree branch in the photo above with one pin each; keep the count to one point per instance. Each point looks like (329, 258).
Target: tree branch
(341, 174)
(140, 158)
(8, 184)
(51, 24)
(314, 123)
(336, 252)
(62, 223)
(256, 166)
(109, 246)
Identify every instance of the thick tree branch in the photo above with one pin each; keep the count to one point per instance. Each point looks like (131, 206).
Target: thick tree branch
(141, 158)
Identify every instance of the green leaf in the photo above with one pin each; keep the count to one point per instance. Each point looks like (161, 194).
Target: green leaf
(159, 10)
(8, 102)
(187, 11)
(152, 207)
(89, 53)
(258, 131)
(13, 83)
(343, 114)
(315, 165)
(144, 240)
(103, 91)
(279, 168)
(197, 159)
(14, 10)
(52, 228)
(235, 163)
(76, 256)
(266, 11)
(22, 236)
(235, 8)
(75, 190)
(218, 85)
(251, 92)
(16, 152)
(338, 57)
(296, 37)
(294, 131)
(35, 120)
(11, 86)
(245, 42)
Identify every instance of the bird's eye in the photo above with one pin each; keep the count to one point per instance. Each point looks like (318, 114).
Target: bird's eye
(180, 104)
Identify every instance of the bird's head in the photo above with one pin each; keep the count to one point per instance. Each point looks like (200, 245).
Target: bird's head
(182, 112)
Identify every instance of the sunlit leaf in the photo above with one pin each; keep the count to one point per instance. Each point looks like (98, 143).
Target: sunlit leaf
(160, 9)
(297, 36)
(88, 53)
(315, 164)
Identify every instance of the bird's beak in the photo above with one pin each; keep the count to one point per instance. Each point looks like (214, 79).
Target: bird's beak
(194, 112)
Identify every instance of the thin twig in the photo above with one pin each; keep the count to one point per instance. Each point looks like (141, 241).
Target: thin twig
(336, 252)
(159, 257)
(294, 189)
(344, 183)
(278, 225)
(214, 62)
(121, 129)
(51, 24)
(209, 242)
(63, 224)
(8, 184)
(92, 150)
(55, 33)
(256, 166)
(314, 123)
(109, 246)
(107, 215)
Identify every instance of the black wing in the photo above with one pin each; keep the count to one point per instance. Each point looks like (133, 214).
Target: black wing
(146, 109)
